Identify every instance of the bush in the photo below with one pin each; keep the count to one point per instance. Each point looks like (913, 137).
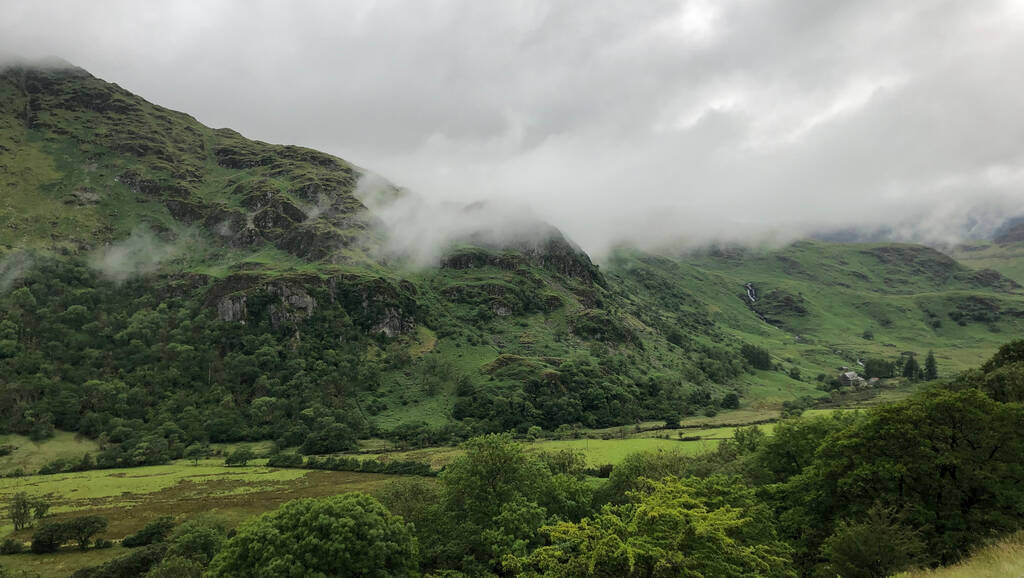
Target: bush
(757, 357)
(285, 461)
(11, 546)
(131, 566)
(239, 457)
(153, 532)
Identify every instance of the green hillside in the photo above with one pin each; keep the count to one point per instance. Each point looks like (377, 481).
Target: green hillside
(834, 304)
(1007, 258)
(165, 285)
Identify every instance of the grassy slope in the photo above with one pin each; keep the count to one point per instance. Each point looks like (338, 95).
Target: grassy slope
(1004, 559)
(28, 456)
(846, 290)
(1008, 258)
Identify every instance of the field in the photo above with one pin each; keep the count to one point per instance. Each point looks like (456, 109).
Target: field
(130, 498)
(28, 456)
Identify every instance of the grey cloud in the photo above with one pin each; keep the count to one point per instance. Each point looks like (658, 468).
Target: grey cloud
(618, 121)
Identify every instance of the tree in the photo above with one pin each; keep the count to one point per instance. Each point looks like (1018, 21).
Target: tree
(493, 482)
(875, 547)
(1010, 353)
(688, 527)
(176, 567)
(757, 357)
(952, 459)
(40, 507)
(731, 401)
(877, 367)
(49, 538)
(347, 535)
(20, 511)
(911, 369)
(197, 541)
(196, 452)
(239, 457)
(931, 369)
(84, 528)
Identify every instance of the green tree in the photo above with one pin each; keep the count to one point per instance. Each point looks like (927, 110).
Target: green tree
(20, 511)
(674, 527)
(346, 535)
(84, 528)
(931, 369)
(911, 369)
(877, 367)
(49, 538)
(952, 459)
(196, 452)
(239, 457)
(875, 547)
(198, 541)
(176, 567)
(41, 507)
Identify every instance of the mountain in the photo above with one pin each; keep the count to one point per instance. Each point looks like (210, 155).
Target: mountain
(163, 283)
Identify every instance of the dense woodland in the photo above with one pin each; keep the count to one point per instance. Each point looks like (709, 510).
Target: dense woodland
(150, 371)
(917, 482)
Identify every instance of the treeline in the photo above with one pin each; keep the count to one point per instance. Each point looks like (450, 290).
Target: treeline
(347, 464)
(920, 482)
(146, 368)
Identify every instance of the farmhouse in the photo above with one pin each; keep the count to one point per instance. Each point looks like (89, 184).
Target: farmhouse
(850, 378)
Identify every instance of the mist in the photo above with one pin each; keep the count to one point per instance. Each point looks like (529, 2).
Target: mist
(662, 123)
(417, 232)
(12, 267)
(139, 254)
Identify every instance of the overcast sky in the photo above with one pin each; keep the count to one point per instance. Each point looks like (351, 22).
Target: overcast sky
(641, 120)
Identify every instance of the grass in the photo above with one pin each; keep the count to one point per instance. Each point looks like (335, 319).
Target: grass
(1007, 259)
(29, 455)
(598, 452)
(131, 497)
(1004, 559)
(60, 564)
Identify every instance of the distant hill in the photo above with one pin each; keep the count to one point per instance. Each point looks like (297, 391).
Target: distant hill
(155, 272)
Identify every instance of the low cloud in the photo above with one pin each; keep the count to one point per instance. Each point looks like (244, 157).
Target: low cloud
(12, 267)
(417, 231)
(643, 123)
(140, 254)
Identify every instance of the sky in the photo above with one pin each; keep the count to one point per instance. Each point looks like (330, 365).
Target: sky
(643, 122)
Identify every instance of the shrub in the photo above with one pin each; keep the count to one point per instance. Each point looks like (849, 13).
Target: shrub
(153, 532)
(11, 546)
(239, 457)
(285, 461)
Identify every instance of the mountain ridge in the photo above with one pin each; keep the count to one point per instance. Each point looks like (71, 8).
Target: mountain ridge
(188, 267)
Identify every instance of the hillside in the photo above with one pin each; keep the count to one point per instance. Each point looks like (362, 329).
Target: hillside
(165, 284)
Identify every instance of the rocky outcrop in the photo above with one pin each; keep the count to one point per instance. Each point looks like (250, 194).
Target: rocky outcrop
(555, 254)
(377, 305)
(232, 309)
(293, 305)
